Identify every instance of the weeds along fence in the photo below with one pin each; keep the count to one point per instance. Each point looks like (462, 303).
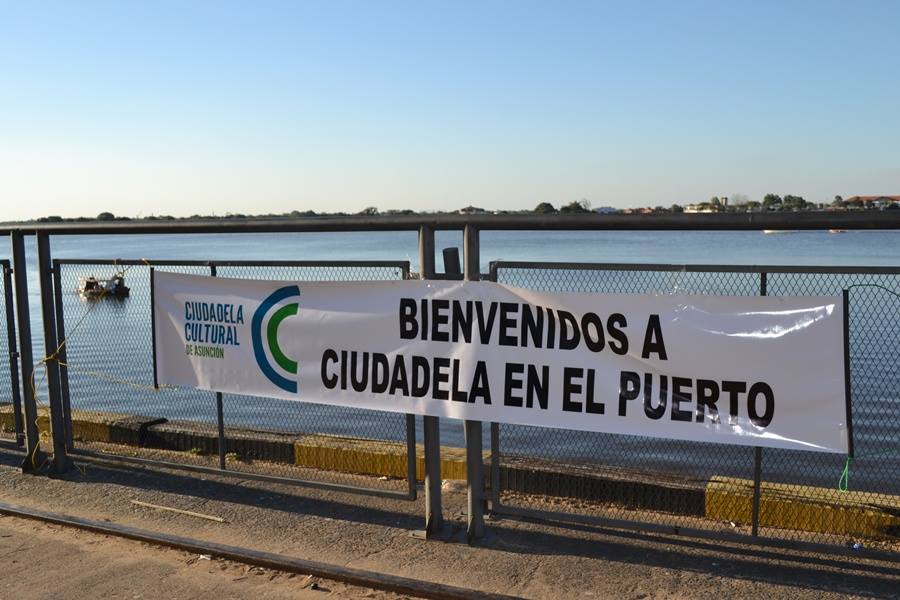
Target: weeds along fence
(688, 485)
(107, 387)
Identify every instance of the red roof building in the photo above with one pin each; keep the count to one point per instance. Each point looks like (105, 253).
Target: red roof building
(873, 199)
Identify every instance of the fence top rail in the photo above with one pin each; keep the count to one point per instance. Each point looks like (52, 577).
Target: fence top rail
(691, 268)
(887, 219)
(127, 262)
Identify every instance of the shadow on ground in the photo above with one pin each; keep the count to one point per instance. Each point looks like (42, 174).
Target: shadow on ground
(879, 579)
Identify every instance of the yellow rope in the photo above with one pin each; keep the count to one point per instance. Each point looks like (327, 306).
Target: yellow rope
(114, 379)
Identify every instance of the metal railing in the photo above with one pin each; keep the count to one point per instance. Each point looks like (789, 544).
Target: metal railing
(509, 474)
(106, 379)
(648, 482)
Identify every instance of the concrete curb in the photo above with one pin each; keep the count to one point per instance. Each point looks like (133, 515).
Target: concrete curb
(805, 508)
(798, 507)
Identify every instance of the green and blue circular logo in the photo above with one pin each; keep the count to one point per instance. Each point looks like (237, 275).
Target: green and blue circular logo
(275, 303)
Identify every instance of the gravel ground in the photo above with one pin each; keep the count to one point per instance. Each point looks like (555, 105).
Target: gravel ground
(516, 557)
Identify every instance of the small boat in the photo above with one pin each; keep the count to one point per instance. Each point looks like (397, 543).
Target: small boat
(91, 287)
(768, 231)
(837, 231)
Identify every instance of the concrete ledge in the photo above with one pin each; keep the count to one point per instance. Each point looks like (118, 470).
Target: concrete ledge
(626, 487)
(374, 457)
(95, 426)
(805, 508)
(186, 436)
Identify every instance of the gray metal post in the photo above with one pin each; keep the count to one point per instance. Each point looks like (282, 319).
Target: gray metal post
(452, 266)
(61, 462)
(474, 457)
(411, 461)
(495, 466)
(62, 356)
(220, 408)
(34, 458)
(495, 438)
(434, 518)
(757, 451)
(13, 350)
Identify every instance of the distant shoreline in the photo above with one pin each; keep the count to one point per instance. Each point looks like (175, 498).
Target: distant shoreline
(408, 214)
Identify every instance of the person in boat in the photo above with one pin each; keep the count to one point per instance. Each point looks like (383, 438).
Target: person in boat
(117, 286)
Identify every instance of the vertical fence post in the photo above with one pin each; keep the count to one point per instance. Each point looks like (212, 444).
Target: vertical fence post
(495, 439)
(474, 456)
(434, 519)
(35, 457)
(61, 462)
(412, 461)
(848, 398)
(220, 409)
(62, 356)
(411, 490)
(495, 466)
(757, 451)
(13, 350)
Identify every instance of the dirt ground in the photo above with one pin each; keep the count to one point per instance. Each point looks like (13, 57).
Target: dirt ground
(532, 560)
(48, 561)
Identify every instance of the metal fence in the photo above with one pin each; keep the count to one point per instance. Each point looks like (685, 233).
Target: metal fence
(680, 485)
(10, 394)
(107, 368)
(713, 490)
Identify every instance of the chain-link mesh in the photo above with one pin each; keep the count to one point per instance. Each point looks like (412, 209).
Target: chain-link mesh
(710, 486)
(110, 373)
(7, 421)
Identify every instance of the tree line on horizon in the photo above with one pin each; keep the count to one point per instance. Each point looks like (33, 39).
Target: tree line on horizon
(770, 202)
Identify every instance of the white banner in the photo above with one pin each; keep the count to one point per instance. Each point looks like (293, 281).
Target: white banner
(759, 371)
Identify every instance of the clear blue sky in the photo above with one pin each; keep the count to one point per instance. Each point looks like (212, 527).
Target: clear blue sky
(251, 107)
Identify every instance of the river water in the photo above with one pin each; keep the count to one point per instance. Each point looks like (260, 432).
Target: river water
(112, 345)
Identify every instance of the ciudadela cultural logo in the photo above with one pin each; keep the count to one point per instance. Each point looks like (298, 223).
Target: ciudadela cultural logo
(277, 304)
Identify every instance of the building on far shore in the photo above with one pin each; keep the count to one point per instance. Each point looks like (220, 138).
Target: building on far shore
(703, 207)
(472, 210)
(872, 201)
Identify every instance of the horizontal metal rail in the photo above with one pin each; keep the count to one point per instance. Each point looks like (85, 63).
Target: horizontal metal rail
(268, 560)
(692, 268)
(887, 219)
(399, 264)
